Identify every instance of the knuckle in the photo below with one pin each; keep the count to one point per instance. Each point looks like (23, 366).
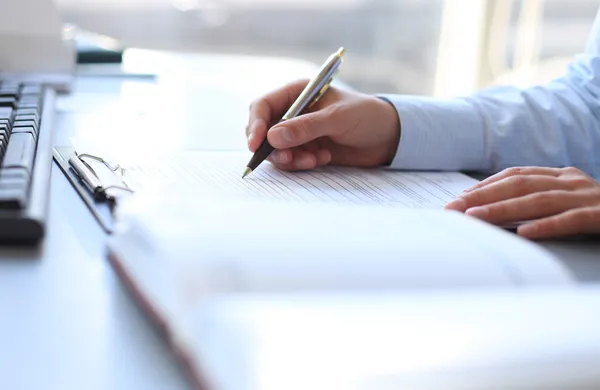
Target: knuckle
(587, 216)
(595, 215)
(514, 171)
(520, 182)
(497, 210)
(570, 170)
(573, 218)
(550, 225)
(303, 131)
(284, 167)
(338, 110)
(475, 198)
(546, 199)
(578, 181)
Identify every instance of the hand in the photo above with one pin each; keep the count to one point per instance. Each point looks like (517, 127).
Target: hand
(554, 202)
(342, 128)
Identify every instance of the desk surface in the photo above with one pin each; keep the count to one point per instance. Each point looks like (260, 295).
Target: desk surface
(68, 323)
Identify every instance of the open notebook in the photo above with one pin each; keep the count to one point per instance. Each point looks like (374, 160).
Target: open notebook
(180, 251)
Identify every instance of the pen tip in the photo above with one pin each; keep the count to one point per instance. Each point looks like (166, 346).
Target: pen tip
(246, 172)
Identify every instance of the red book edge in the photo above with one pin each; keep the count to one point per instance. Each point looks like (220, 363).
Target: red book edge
(161, 325)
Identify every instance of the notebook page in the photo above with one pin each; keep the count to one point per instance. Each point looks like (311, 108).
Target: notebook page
(219, 173)
(215, 245)
(335, 247)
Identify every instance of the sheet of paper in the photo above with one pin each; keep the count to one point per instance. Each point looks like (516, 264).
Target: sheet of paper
(219, 173)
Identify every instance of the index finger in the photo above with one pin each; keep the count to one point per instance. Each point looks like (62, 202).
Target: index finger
(511, 187)
(269, 108)
(515, 171)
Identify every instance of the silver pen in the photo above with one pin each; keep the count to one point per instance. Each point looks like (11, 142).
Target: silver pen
(311, 94)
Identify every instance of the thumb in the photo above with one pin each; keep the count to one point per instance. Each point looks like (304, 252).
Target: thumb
(305, 128)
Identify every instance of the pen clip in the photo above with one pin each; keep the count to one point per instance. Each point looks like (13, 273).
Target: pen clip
(325, 86)
(88, 176)
(91, 179)
(321, 93)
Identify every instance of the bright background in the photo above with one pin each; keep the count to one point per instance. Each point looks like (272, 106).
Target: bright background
(430, 47)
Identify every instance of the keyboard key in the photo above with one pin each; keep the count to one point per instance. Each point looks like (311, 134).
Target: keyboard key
(4, 133)
(9, 93)
(14, 188)
(20, 152)
(10, 84)
(13, 172)
(29, 111)
(6, 113)
(31, 99)
(29, 102)
(25, 130)
(27, 105)
(3, 144)
(29, 123)
(14, 181)
(13, 198)
(27, 118)
(8, 102)
(31, 89)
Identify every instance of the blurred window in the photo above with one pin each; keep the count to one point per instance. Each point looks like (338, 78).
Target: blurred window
(393, 43)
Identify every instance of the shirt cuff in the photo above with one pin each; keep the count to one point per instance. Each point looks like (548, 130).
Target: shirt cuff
(436, 134)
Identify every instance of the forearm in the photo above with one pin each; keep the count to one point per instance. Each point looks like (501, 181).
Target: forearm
(554, 125)
(438, 134)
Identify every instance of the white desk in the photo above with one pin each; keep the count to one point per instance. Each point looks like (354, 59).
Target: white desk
(67, 323)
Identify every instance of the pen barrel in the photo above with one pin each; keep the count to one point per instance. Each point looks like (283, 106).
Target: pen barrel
(261, 154)
(314, 89)
(309, 96)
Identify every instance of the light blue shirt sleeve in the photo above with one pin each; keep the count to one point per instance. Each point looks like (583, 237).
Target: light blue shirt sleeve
(556, 125)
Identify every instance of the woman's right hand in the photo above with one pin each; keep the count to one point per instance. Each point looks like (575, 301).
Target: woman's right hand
(343, 128)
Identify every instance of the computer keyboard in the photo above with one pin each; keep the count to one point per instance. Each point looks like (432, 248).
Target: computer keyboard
(26, 134)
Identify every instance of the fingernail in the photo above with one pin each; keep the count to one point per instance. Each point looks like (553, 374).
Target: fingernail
(457, 204)
(250, 138)
(527, 229)
(478, 212)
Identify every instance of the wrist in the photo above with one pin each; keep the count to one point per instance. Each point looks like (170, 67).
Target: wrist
(393, 129)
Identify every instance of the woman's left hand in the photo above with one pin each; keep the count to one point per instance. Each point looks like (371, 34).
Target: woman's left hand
(551, 202)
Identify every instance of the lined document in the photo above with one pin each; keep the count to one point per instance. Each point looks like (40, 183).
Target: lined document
(219, 173)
